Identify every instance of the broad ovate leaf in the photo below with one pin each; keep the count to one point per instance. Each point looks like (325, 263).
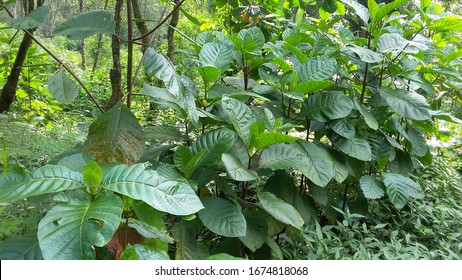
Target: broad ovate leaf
(216, 54)
(222, 217)
(280, 210)
(86, 25)
(34, 19)
(43, 180)
(400, 188)
(356, 147)
(372, 187)
(241, 116)
(317, 69)
(71, 231)
(236, 170)
(407, 104)
(174, 197)
(116, 136)
(62, 87)
(327, 106)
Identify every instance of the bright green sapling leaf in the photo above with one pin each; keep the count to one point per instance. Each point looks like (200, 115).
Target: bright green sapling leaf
(87, 24)
(222, 217)
(143, 252)
(70, 231)
(92, 176)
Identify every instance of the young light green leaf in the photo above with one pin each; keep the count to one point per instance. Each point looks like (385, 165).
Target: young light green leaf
(280, 210)
(209, 74)
(236, 170)
(87, 24)
(269, 138)
(448, 23)
(70, 232)
(307, 87)
(143, 252)
(116, 136)
(373, 9)
(389, 7)
(92, 176)
(43, 180)
(34, 19)
(406, 103)
(62, 87)
(372, 187)
(222, 217)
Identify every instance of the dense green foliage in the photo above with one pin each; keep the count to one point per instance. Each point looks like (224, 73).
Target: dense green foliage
(297, 130)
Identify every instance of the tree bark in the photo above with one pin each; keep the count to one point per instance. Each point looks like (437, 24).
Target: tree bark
(115, 74)
(171, 31)
(83, 45)
(141, 25)
(8, 93)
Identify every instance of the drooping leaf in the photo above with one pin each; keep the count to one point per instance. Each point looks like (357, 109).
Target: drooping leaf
(149, 231)
(34, 19)
(70, 232)
(400, 188)
(256, 231)
(280, 210)
(446, 117)
(365, 54)
(316, 164)
(356, 147)
(222, 217)
(21, 248)
(236, 170)
(143, 252)
(372, 187)
(417, 139)
(116, 136)
(317, 69)
(361, 11)
(387, 8)
(43, 180)
(164, 133)
(241, 117)
(62, 87)
(406, 103)
(343, 127)
(216, 54)
(368, 116)
(87, 24)
(327, 106)
(174, 197)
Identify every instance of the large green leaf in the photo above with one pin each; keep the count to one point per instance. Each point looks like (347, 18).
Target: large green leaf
(368, 116)
(149, 231)
(241, 116)
(187, 247)
(222, 217)
(155, 64)
(280, 210)
(21, 248)
(143, 252)
(356, 147)
(327, 106)
(87, 24)
(251, 39)
(406, 103)
(116, 136)
(62, 87)
(417, 139)
(164, 133)
(216, 54)
(281, 156)
(34, 19)
(209, 74)
(256, 231)
(361, 11)
(317, 69)
(366, 55)
(174, 197)
(343, 127)
(316, 164)
(387, 8)
(236, 170)
(164, 97)
(70, 231)
(43, 180)
(372, 187)
(448, 23)
(307, 87)
(400, 188)
(390, 42)
(269, 138)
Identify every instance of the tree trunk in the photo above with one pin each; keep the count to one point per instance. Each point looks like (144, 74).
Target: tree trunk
(116, 71)
(171, 31)
(83, 45)
(8, 93)
(141, 25)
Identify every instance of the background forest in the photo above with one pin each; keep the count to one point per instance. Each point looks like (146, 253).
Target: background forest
(230, 129)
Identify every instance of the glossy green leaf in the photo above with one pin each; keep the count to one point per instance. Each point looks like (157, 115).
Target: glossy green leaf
(21, 248)
(34, 19)
(222, 217)
(389, 7)
(317, 69)
(417, 139)
(143, 252)
(174, 197)
(280, 210)
(209, 74)
(43, 180)
(92, 176)
(447, 23)
(400, 188)
(236, 170)
(216, 54)
(356, 147)
(256, 231)
(343, 127)
(70, 231)
(406, 103)
(373, 9)
(327, 106)
(241, 117)
(316, 164)
(365, 54)
(149, 231)
(329, 6)
(372, 187)
(307, 87)
(87, 24)
(361, 11)
(368, 116)
(269, 138)
(164, 133)
(62, 87)
(116, 136)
